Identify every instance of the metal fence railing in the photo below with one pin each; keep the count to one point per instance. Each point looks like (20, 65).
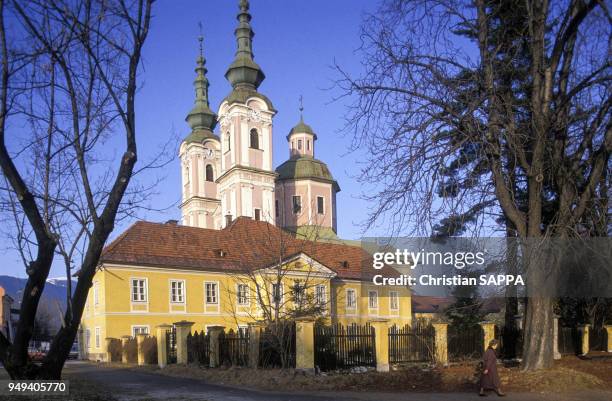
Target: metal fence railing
(340, 347)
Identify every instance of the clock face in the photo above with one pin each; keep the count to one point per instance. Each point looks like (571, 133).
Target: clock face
(209, 153)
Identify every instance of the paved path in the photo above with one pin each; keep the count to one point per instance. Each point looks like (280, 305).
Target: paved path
(129, 385)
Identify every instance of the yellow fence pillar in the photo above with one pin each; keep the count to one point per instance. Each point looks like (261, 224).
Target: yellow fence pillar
(140, 337)
(183, 328)
(489, 333)
(381, 344)
(585, 338)
(213, 333)
(609, 330)
(108, 346)
(124, 350)
(254, 339)
(162, 350)
(441, 343)
(304, 345)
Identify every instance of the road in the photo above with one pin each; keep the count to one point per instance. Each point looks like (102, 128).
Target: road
(131, 385)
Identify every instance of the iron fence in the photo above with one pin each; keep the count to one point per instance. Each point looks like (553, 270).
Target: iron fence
(198, 348)
(568, 341)
(465, 342)
(340, 347)
(598, 339)
(510, 342)
(414, 343)
(277, 346)
(234, 348)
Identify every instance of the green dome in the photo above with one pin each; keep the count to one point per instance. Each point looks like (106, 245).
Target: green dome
(306, 167)
(241, 95)
(302, 128)
(200, 135)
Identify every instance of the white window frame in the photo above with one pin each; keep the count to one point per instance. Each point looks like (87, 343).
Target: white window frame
(246, 294)
(138, 327)
(87, 338)
(370, 292)
(244, 328)
(146, 290)
(216, 287)
(323, 211)
(97, 337)
(394, 296)
(96, 294)
(184, 291)
(324, 293)
(282, 294)
(299, 197)
(348, 304)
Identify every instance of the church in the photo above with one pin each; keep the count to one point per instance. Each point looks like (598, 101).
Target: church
(230, 174)
(256, 243)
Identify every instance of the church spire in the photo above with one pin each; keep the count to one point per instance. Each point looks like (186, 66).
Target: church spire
(244, 72)
(201, 117)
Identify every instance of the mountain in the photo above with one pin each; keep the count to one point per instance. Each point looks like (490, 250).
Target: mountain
(55, 289)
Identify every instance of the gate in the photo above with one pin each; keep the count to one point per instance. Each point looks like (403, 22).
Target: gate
(198, 348)
(465, 342)
(568, 341)
(171, 345)
(411, 344)
(234, 348)
(339, 347)
(277, 345)
(598, 339)
(510, 342)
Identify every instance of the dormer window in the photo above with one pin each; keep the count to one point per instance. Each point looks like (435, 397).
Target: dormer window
(209, 173)
(254, 139)
(345, 264)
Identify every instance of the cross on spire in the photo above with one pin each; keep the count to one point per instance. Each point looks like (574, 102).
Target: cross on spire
(301, 108)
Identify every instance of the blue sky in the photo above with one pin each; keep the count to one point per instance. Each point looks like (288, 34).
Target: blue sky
(296, 43)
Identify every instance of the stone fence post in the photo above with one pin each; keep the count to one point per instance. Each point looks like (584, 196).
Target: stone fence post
(585, 338)
(381, 343)
(213, 333)
(107, 343)
(304, 345)
(140, 337)
(162, 344)
(609, 330)
(441, 343)
(183, 329)
(124, 350)
(254, 339)
(489, 333)
(556, 353)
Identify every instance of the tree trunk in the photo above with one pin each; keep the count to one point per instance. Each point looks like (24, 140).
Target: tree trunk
(538, 346)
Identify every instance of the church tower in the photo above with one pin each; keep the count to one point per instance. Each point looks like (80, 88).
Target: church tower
(305, 188)
(200, 157)
(246, 180)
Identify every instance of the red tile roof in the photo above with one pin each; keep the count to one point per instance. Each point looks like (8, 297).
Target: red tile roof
(428, 304)
(246, 245)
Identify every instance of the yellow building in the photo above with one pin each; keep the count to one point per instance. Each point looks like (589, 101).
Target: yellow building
(250, 271)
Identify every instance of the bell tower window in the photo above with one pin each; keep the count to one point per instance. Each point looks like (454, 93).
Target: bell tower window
(228, 142)
(209, 173)
(254, 139)
(299, 144)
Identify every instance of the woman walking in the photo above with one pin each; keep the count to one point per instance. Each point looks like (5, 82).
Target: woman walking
(489, 380)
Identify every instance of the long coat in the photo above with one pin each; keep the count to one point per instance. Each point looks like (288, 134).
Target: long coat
(491, 379)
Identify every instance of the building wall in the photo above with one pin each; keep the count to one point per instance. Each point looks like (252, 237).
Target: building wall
(116, 315)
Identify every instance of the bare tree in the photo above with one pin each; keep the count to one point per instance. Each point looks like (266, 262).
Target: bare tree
(487, 110)
(277, 281)
(71, 72)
